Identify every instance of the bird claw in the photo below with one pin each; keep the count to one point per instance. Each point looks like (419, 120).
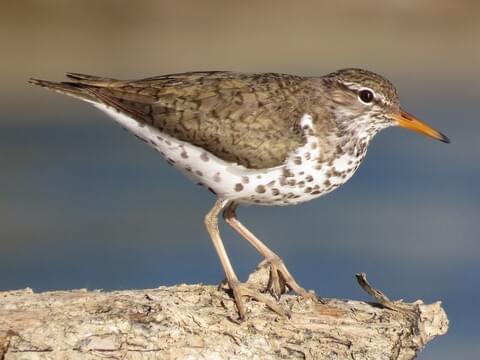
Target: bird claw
(277, 284)
(240, 290)
(281, 281)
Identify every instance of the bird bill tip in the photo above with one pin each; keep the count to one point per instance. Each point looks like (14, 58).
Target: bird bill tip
(443, 138)
(408, 121)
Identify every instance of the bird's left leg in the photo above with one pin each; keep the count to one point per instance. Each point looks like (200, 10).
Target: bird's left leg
(238, 289)
(280, 277)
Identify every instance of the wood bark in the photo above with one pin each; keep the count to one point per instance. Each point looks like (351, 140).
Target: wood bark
(200, 321)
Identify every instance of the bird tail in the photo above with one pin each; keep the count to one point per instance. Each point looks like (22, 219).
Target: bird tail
(76, 90)
(80, 87)
(92, 80)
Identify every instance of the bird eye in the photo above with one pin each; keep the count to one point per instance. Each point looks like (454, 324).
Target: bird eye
(366, 96)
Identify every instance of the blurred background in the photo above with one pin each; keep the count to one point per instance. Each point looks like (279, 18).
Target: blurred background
(83, 204)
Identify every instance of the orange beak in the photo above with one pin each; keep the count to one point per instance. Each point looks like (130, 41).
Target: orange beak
(406, 120)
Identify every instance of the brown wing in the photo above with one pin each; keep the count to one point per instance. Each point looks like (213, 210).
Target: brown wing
(246, 118)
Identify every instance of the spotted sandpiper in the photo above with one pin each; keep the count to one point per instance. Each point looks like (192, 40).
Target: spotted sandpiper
(266, 139)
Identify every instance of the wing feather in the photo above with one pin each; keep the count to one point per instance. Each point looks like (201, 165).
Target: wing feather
(250, 119)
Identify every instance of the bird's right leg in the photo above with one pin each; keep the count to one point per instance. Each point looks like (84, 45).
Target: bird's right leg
(238, 289)
(280, 277)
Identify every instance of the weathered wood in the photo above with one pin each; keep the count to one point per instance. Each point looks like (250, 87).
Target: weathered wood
(199, 321)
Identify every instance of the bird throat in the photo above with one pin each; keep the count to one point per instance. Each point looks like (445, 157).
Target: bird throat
(358, 131)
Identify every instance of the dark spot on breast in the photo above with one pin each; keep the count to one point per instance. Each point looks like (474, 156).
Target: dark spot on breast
(216, 177)
(291, 182)
(184, 155)
(301, 184)
(307, 156)
(260, 189)
(326, 182)
(297, 160)
(153, 142)
(140, 138)
(309, 178)
(271, 183)
(275, 192)
(198, 172)
(287, 173)
(238, 187)
(360, 149)
(308, 190)
(336, 173)
(316, 192)
(245, 179)
(313, 145)
(159, 138)
(204, 157)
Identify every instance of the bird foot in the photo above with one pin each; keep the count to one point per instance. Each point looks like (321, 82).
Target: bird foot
(281, 281)
(240, 290)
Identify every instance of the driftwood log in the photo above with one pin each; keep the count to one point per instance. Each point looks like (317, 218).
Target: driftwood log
(200, 322)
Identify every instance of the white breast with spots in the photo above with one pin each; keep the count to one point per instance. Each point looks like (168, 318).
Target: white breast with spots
(301, 178)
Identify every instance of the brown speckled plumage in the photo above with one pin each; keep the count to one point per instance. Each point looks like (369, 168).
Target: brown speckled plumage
(250, 119)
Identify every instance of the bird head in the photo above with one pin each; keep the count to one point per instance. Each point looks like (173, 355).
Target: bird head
(367, 103)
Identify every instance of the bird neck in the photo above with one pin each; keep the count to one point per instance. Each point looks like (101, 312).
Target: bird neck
(353, 135)
(361, 128)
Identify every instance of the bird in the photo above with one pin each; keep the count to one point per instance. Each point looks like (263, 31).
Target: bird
(267, 139)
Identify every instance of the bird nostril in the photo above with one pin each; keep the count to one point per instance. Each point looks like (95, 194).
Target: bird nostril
(407, 116)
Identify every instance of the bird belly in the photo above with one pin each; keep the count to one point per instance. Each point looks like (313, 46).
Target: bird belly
(301, 178)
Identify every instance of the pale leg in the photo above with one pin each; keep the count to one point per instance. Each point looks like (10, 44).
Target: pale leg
(238, 289)
(280, 277)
